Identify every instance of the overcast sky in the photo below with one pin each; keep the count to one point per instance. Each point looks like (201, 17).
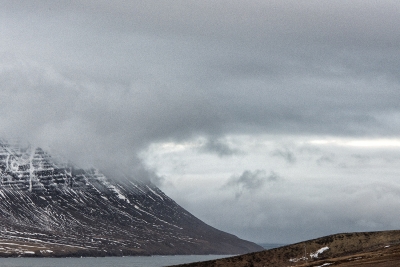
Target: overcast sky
(276, 121)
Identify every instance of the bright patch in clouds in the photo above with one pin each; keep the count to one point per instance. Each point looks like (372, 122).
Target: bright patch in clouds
(373, 143)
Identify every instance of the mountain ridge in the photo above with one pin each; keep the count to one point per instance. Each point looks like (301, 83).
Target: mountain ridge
(51, 208)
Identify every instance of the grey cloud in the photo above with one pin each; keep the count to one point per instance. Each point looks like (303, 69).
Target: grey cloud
(286, 154)
(249, 181)
(322, 21)
(361, 158)
(282, 216)
(219, 147)
(326, 159)
(124, 75)
(308, 89)
(129, 74)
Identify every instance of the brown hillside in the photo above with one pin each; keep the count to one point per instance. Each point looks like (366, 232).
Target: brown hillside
(348, 249)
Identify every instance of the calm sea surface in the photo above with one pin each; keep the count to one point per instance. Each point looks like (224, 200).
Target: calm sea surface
(153, 261)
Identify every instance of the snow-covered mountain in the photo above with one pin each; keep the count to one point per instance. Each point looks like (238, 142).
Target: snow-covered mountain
(51, 208)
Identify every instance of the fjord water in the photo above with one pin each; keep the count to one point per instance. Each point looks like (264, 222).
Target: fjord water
(153, 261)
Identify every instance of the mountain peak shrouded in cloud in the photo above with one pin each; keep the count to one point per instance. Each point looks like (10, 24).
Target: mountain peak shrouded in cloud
(41, 197)
(109, 84)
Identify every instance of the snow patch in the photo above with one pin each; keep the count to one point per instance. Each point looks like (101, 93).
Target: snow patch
(319, 251)
(111, 187)
(31, 168)
(154, 192)
(297, 259)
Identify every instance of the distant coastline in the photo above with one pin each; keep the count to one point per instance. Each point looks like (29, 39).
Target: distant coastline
(271, 245)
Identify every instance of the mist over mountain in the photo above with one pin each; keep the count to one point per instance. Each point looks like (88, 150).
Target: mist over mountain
(49, 207)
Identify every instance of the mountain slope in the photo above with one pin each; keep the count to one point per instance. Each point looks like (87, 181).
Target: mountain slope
(347, 249)
(50, 208)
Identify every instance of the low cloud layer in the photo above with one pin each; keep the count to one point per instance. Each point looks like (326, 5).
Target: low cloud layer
(102, 83)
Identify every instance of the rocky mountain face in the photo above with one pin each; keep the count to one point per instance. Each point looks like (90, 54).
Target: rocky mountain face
(50, 208)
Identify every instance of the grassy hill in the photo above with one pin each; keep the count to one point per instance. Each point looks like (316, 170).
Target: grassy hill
(380, 249)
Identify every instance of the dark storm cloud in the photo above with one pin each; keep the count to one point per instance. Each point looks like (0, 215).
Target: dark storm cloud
(195, 68)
